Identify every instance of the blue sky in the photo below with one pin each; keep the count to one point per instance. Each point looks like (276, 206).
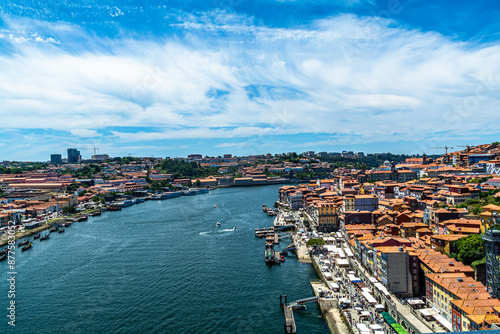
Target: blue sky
(170, 78)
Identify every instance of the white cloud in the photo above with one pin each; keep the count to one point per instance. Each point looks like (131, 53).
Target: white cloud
(85, 133)
(346, 75)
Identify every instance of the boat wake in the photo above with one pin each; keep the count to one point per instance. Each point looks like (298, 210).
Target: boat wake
(217, 231)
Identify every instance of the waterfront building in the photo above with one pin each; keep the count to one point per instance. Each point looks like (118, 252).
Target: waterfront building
(474, 313)
(393, 269)
(325, 216)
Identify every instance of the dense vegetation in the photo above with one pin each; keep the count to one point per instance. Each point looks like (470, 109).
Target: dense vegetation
(315, 242)
(474, 205)
(68, 210)
(468, 249)
(181, 169)
(19, 169)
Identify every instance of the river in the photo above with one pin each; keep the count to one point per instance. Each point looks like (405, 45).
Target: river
(161, 267)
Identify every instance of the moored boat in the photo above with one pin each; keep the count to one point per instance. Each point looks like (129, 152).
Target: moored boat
(45, 237)
(28, 246)
(127, 203)
(95, 213)
(25, 242)
(54, 229)
(37, 236)
(61, 230)
(3, 257)
(114, 207)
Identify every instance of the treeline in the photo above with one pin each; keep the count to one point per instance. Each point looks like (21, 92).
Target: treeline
(19, 170)
(85, 172)
(181, 169)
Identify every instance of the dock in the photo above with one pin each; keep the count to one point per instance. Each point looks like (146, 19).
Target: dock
(289, 319)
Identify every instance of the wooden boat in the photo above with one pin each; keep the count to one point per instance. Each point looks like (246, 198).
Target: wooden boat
(25, 242)
(54, 229)
(61, 230)
(3, 257)
(37, 236)
(28, 246)
(45, 237)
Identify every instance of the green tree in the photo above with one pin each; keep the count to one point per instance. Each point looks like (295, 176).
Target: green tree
(315, 242)
(468, 249)
(198, 183)
(72, 187)
(68, 210)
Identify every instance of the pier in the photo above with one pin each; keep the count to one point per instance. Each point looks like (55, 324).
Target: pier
(288, 309)
(289, 319)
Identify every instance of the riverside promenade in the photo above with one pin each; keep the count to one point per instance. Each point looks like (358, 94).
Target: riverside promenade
(351, 317)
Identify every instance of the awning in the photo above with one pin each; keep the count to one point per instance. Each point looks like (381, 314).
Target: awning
(342, 262)
(365, 314)
(353, 278)
(379, 307)
(334, 285)
(443, 322)
(382, 289)
(362, 327)
(375, 327)
(369, 298)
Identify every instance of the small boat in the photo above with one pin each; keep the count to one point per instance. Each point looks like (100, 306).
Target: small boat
(218, 224)
(282, 258)
(4, 251)
(45, 237)
(28, 246)
(264, 208)
(61, 230)
(54, 229)
(215, 205)
(37, 236)
(25, 242)
(234, 228)
(272, 212)
(3, 257)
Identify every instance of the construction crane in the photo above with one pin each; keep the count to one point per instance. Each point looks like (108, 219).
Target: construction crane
(446, 160)
(95, 154)
(467, 152)
(445, 147)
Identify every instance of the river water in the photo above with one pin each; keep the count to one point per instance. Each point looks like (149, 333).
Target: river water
(161, 267)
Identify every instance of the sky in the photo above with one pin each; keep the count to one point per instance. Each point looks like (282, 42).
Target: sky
(172, 78)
